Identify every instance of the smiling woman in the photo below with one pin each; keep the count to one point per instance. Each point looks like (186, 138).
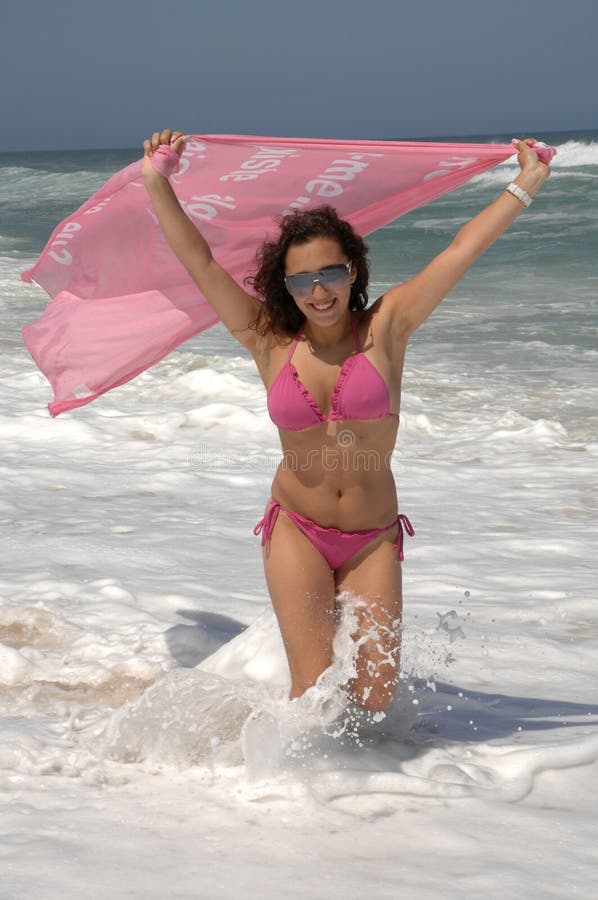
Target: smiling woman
(281, 269)
(341, 529)
(302, 284)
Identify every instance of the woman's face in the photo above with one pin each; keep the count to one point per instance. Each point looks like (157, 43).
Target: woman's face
(322, 301)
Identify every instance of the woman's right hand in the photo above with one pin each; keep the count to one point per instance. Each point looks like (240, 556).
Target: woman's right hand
(173, 139)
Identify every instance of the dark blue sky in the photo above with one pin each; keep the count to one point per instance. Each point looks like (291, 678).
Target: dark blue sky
(104, 73)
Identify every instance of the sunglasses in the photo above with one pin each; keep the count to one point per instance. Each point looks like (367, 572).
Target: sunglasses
(331, 278)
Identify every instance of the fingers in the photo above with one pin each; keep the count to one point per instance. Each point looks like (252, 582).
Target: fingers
(524, 144)
(177, 141)
(525, 149)
(534, 156)
(174, 139)
(542, 151)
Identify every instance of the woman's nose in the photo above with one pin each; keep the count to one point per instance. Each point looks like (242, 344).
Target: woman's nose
(318, 289)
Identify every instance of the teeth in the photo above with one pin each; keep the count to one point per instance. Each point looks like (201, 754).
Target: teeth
(323, 306)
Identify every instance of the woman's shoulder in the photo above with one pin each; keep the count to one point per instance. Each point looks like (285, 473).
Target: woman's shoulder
(270, 348)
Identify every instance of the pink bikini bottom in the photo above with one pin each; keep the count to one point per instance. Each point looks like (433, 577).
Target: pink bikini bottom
(335, 546)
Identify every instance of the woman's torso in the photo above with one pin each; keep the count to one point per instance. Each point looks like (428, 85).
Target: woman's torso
(338, 472)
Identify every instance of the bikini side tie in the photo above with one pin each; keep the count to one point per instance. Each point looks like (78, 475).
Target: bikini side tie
(404, 525)
(266, 524)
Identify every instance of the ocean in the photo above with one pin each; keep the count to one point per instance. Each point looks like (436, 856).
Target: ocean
(145, 746)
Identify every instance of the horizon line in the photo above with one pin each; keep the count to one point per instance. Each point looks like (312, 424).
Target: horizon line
(422, 138)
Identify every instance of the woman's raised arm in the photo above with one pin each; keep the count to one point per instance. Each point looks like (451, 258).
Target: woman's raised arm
(409, 304)
(235, 307)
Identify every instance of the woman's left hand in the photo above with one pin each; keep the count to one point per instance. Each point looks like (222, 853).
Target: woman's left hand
(534, 172)
(529, 161)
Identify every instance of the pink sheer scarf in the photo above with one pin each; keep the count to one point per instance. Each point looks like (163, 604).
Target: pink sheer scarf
(121, 300)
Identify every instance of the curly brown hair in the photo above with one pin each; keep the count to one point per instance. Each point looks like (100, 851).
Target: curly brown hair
(279, 314)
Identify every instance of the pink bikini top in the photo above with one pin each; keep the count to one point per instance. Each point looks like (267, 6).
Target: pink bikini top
(360, 393)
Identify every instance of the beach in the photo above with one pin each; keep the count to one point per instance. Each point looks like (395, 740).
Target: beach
(136, 637)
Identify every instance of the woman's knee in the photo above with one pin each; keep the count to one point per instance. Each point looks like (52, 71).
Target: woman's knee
(376, 684)
(376, 697)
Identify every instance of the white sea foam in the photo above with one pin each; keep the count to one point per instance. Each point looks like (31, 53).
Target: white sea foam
(505, 173)
(143, 680)
(31, 186)
(573, 154)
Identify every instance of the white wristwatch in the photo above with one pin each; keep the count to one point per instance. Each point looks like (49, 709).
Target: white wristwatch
(518, 192)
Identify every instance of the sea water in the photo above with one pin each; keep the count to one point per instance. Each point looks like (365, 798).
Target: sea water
(143, 713)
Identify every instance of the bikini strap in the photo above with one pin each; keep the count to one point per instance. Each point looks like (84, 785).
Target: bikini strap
(356, 334)
(294, 344)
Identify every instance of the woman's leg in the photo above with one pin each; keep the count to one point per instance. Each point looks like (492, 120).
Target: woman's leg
(374, 574)
(301, 586)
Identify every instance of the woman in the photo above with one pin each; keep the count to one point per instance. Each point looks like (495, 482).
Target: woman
(332, 369)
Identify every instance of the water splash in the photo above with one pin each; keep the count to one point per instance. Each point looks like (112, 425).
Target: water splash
(197, 717)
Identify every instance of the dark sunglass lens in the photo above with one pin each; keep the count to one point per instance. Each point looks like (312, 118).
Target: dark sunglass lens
(335, 275)
(299, 285)
(302, 284)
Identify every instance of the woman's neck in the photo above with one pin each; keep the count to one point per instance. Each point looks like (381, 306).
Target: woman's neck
(324, 337)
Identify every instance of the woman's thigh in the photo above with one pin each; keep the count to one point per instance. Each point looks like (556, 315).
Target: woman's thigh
(301, 586)
(374, 575)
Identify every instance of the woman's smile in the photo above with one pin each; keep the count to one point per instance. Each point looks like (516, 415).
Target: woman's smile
(322, 305)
